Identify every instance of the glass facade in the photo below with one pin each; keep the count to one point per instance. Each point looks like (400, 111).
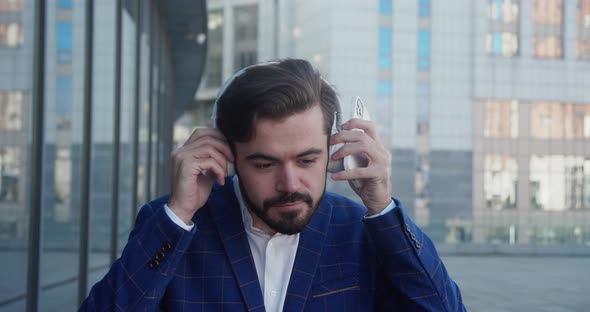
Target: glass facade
(503, 28)
(560, 121)
(422, 178)
(548, 29)
(583, 21)
(501, 119)
(246, 35)
(215, 49)
(559, 182)
(146, 53)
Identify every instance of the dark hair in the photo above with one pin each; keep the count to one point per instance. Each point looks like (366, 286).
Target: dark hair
(273, 90)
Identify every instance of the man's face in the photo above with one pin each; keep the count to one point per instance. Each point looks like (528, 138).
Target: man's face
(282, 170)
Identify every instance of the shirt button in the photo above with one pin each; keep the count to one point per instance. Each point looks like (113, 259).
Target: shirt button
(273, 293)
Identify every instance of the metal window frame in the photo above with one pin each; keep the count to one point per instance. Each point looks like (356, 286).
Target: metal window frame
(85, 173)
(116, 132)
(135, 152)
(38, 111)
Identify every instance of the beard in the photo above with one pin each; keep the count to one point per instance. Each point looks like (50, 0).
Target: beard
(289, 222)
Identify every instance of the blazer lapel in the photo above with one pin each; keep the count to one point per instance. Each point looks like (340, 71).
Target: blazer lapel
(225, 210)
(311, 242)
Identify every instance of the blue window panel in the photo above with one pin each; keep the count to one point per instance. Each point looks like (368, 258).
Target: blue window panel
(497, 43)
(63, 104)
(423, 63)
(64, 41)
(385, 6)
(498, 9)
(424, 8)
(64, 36)
(384, 88)
(424, 43)
(385, 47)
(65, 4)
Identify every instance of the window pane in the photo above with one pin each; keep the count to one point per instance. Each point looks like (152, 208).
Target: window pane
(11, 110)
(246, 34)
(583, 40)
(500, 181)
(385, 47)
(502, 36)
(385, 6)
(423, 49)
(11, 35)
(548, 29)
(559, 182)
(215, 52)
(7, 6)
(500, 119)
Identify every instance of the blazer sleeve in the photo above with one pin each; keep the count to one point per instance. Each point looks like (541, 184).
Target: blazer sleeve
(415, 278)
(139, 278)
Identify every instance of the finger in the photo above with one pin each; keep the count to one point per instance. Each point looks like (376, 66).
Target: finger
(209, 166)
(203, 153)
(201, 132)
(367, 126)
(356, 173)
(352, 149)
(348, 137)
(220, 145)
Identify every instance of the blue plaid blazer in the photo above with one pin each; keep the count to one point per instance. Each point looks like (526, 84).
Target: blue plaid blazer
(343, 263)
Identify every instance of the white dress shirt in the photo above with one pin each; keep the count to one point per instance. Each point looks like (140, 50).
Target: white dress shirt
(279, 249)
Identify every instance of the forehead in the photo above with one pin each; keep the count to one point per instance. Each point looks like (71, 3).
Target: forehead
(289, 135)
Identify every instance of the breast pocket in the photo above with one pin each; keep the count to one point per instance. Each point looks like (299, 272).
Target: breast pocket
(340, 286)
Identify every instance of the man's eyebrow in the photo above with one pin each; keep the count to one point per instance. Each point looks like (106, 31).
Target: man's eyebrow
(311, 151)
(261, 156)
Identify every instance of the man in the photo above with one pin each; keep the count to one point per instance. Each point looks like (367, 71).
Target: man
(270, 238)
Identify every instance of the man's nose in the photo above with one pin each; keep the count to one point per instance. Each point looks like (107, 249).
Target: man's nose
(288, 181)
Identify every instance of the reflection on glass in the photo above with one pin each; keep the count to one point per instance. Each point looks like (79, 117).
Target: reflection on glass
(11, 110)
(9, 174)
(385, 47)
(583, 20)
(246, 34)
(559, 182)
(424, 49)
(547, 46)
(11, 35)
(7, 6)
(548, 12)
(215, 49)
(63, 185)
(554, 120)
(548, 28)
(503, 10)
(502, 35)
(500, 119)
(500, 181)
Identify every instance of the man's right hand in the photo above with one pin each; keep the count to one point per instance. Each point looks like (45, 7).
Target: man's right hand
(202, 159)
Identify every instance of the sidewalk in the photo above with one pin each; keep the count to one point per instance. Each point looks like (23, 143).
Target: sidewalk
(551, 284)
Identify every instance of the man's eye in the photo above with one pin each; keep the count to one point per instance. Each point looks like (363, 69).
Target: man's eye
(307, 162)
(262, 165)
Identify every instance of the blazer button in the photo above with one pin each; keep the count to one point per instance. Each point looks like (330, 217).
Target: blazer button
(413, 236)
(159, 255)
(154, 264)
(418, 245)
(408, 227)
(166, 246)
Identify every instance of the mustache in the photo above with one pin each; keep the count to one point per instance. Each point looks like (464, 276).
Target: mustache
(287, 198)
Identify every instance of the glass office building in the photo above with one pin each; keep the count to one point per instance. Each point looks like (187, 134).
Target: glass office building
(89, 92)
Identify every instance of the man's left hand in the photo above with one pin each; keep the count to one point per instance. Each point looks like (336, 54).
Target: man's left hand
(375, 189)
